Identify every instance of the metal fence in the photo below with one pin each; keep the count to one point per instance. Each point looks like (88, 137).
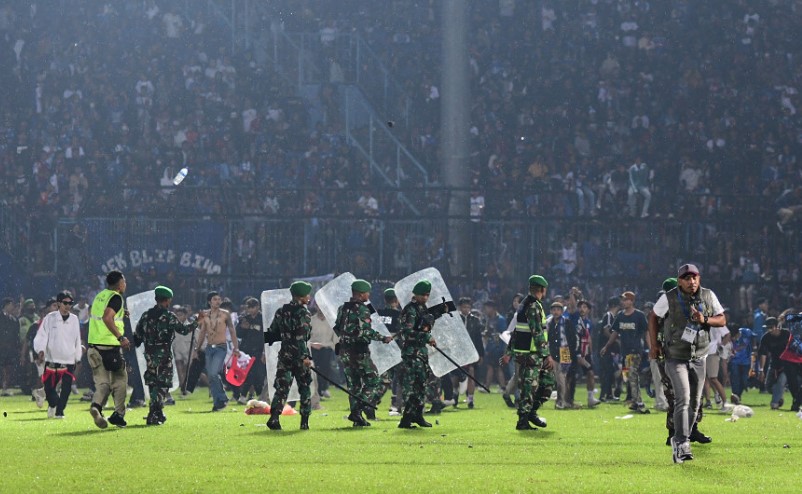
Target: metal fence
(257, 253)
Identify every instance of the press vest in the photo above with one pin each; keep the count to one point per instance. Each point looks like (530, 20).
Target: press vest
(678, 318)
(523, 338)
(99, 334)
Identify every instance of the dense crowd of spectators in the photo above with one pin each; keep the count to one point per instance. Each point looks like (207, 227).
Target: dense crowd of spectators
(602, 109)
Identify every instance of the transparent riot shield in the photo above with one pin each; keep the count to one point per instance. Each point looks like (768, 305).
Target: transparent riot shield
(449, 331)
(273, 300)
(137, 306)
(337, 292)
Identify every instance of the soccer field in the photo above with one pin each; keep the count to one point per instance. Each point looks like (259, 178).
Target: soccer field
(475, 450)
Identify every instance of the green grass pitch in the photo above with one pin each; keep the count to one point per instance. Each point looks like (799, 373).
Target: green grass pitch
(475, 450)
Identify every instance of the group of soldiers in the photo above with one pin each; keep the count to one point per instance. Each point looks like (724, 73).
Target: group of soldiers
(678, 335)
(353, 326)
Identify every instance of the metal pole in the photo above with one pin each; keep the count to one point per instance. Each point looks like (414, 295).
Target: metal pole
(455, 102)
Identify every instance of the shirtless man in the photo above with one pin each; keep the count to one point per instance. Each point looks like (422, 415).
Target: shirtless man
(213, 327)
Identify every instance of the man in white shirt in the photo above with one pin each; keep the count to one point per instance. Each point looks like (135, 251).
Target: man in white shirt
(689, 312)
(58, 345)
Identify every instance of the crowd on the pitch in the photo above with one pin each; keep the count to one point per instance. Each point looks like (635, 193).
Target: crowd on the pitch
(748, 354)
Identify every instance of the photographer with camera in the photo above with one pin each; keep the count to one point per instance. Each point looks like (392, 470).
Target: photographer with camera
(688, 311)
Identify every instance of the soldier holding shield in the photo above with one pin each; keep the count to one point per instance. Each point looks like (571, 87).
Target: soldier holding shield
(293, 323)
(355, 331)
(156, 329)
(416, 327)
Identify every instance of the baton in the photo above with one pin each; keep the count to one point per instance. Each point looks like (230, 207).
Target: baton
(343, 389)
(461, 369)
(189, 360)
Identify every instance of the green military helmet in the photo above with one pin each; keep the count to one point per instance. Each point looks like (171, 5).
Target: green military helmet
(162, 292)
(300, 289)
(669, 283)
(537, 280)
(423, 287)
(360, 286)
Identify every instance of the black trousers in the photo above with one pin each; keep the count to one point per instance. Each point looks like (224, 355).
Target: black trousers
(607, 377)
(794, 374)
(56, 399)
(134, 377)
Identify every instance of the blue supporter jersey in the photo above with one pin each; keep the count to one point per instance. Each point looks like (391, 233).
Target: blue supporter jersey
(742, 347)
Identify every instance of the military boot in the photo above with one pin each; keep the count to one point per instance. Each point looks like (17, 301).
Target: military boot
(698, 437)
(153, 417)
(358, 420)
(418, 418)
(304, 422)
(437, 407)
(370, 413)
(536, 420)
(523, 425)
(406, 420)
(273, 424)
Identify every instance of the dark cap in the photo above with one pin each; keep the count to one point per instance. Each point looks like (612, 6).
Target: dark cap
(251, 302)
(64, 295)
(613, 301)
(686, 269)
(771, 322)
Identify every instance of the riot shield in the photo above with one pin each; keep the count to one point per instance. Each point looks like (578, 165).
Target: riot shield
(137, 306)
(337, 292)
(449, 331)
(273, 300)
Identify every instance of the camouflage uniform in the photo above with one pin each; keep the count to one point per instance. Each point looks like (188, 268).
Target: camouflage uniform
(415, 335)
(156, 329)
(294, 323)
(535, 381)
(355, 337)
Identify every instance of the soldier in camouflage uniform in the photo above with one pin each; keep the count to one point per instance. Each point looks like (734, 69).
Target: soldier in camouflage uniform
(355, 331)
(293, 322)
(533, 364)
(416, 328)
(156, 329)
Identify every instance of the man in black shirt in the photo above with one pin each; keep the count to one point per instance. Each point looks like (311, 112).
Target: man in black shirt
(630, 326)
(252, 342)
(772, 345)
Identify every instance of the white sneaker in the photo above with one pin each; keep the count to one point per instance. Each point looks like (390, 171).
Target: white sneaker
(675, 452)
(448, 402)
(394, 412)
(242, 400)
(39, 396)
(684, 451)
(51, 412)
(60, 417)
